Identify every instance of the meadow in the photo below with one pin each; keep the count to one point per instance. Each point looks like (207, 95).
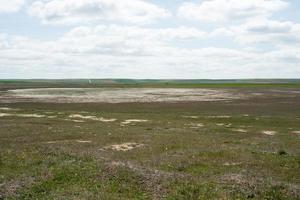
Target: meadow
(233, 148)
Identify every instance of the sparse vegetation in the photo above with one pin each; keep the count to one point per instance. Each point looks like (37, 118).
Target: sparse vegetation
(170, 156)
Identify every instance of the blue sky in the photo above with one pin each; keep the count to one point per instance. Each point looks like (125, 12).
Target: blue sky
(149, 39)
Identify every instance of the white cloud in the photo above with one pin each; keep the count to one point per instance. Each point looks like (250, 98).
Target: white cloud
(135, 52)
(8, 6)
(114, 39)
(2, 41)
(103, 51)
(275, 33)
(268, 27)
(220, 10)
(87, 11)
(289, 56)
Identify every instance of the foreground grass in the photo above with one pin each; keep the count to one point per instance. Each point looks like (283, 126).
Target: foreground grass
(210, 150)
(52, 174)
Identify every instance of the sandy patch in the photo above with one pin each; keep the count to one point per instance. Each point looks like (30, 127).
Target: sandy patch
(130, 121)
(49, 112)
(4, 115)
(57, 141)
(269, 132)
(61, 141)
(21, 115)
(7, 109)
(228, 125)
(75, 120)
(191, 117)
(296, 132)
(243, 126)
(220, 117)
(240, 130)
(107, 120)
(195, 125)
(83, 141)
(124, 147)
(52, 117)
(232, 163)
(101, 119)
(30, 115)
(225, 125)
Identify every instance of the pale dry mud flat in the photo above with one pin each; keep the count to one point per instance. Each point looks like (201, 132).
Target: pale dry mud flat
(78, 116)
(296, 132)
(130, 121)
(240, 130)
(123, 147)
(21, 115)
(271, 133)
(118, 95)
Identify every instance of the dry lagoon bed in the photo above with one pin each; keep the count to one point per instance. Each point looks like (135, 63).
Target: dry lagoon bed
(118, 95)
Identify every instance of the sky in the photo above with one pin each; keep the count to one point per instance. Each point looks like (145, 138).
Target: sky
(149, 39)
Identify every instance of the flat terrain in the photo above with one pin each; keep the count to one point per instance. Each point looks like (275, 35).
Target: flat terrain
(242, 144)
(119, 95)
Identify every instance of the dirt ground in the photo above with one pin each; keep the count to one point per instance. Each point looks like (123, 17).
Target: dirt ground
(118, 95)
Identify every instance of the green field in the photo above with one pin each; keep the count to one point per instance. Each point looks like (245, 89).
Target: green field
(192, 83)
(238, 149)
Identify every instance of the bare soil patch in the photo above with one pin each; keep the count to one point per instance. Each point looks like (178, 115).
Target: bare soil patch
(130, 121)
(271, 133)
(240, 130)
(124, 147)
(21, 115)
(101, 119)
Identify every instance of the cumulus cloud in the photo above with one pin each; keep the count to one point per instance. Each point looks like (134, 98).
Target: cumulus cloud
(116, 39)
(103, 51)
(2, 40)
(276, 33)
(10, 6)
(220, 10)
(269, 27)
(135, 52)
(87, 11)
(109, 39)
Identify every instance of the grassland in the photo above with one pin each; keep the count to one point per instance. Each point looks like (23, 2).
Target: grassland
(129, 83)
(239, 149)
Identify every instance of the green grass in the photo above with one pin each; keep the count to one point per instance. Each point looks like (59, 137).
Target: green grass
(196, 83)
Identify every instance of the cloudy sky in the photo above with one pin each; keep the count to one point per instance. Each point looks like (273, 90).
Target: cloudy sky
(149, 39)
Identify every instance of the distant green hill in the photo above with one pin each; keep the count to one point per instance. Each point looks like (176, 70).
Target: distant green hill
(188, 83)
